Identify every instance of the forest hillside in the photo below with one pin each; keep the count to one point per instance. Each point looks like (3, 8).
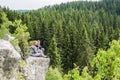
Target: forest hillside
(71, 33)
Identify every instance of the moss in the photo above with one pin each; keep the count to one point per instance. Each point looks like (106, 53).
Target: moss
(22, 64)
(20, 76)
(22, 68)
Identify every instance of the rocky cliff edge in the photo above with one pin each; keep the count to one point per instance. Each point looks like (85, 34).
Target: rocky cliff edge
(12, 67)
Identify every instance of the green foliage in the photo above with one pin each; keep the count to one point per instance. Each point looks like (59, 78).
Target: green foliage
(70, 33)
(4, 24)
(74, 74)
(106, 66)
(54, 54)
(85, 75)
(53, 74)
(107, 63)
(80, 29)
(21, 36)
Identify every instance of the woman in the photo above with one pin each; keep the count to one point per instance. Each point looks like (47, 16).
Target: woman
(34, 47)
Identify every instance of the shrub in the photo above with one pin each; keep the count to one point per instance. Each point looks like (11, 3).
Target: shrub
(53, 74)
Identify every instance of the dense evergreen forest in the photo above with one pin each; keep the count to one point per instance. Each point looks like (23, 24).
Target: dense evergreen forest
(71, 33)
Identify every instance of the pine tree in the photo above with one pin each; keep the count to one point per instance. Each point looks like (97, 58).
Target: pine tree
(54, 54)
(86, 49)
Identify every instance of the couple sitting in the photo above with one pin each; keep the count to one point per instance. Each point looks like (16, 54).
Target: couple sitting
(38, 50)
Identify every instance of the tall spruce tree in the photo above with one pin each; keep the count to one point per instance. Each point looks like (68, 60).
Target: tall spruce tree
(54, 54)
(86, 49)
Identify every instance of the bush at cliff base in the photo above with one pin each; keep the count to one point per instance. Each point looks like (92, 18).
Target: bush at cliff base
(105, 66)
(53, 74)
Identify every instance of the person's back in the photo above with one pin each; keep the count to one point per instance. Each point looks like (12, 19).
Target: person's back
(41, 50)
(40, 47)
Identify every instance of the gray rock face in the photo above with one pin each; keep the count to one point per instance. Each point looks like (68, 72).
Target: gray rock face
(8, 37)
(9, 59)
(36, 68)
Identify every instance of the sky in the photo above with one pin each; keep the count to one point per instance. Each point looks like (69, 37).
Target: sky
(31, 4)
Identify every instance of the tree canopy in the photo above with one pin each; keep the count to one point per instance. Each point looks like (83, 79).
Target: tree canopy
(71, 33)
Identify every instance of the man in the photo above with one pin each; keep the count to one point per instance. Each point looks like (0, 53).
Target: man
(41, 50)
(40, 47)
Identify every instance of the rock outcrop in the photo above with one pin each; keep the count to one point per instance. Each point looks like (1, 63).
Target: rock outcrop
(9, 60)
(8, 37)
(36, 68)
(13, 68)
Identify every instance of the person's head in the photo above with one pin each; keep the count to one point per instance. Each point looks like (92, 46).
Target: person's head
(38, 41)
(35, 42)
